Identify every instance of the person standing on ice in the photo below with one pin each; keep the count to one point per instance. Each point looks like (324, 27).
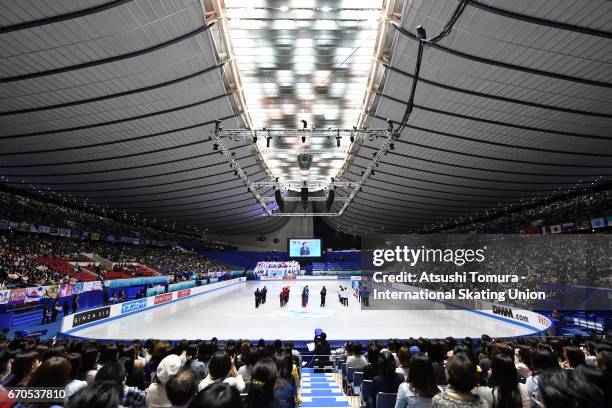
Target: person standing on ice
(257, 298)
(304, 297)
(323, 294)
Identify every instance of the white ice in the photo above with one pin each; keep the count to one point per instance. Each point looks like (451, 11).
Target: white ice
(230, 313)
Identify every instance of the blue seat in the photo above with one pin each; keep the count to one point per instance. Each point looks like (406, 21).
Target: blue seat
(357, 380)
(385, 400)
(366, 390)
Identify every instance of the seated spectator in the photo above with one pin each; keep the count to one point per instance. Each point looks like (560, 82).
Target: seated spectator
(156, 392)
(268, 389)
(462, 377)
(218, 395)
(106, 394)
(192, 353)
(506, 390)
(371, 370)
(53, 372)
(541, 360)
(568, 388)
(249, 360)
(356, 360)
(131, 397)
(573, 357)
(90, 365)
(74, 384)
(420, 386)
(22, 367)
(437, 355)
(404, 356)
(388, 380)
(181, 388)
(222, 369)
(5, 365)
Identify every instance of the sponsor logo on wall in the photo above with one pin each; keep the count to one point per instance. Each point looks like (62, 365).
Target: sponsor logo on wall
(91, 316)
(165, 297)
(183, 293)
(129, 307)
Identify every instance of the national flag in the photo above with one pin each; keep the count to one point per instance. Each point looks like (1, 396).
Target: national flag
(568, 227)
(34, 294)
(555, 229)
(545, 230)
(584, 225)
(598, 223)
(609, 221)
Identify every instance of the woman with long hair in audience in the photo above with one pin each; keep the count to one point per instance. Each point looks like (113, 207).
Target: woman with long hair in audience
(420, 386)
(90, 365)
(573, 357)
(541, 360)
(22, 368)
(506, 390)
(568, 388)
(249, 359)
(437, 356)
(371, 370)
(53, 372)
(388, 380)
(268, 389)
(74, 383)
(462, 377)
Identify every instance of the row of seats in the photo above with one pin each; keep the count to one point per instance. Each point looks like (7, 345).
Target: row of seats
(354, 383)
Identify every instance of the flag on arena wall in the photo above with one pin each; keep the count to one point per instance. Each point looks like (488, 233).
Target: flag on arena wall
(5, 295)
(598, 223)
(44, 229)
(583, 225)
(24, 227)
(51, 291)
(109, 238)
(555, 229)
(34, 229)
(17, 295)
(609, 221)
(65, 290)
(34, 294)
(78, 288)
(95, 236)
(89, 286)
(85, 234)
(13, 225)
(545, 230)
(54, 231)
(568, 227)
(4, 224)
(64, 232)
(75, 234)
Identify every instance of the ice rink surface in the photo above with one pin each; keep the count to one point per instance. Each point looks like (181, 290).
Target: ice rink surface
(230, 313)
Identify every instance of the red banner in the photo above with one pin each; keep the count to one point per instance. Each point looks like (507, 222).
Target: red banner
(183, 293)
(165, 297)
(17, 295)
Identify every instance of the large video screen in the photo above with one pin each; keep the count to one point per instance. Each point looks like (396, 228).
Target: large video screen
(304, 248)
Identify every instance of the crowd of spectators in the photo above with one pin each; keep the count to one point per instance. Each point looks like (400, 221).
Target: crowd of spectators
(21, 208)
(518, 373)
(559, 261)
(574, 209)
(18, 252)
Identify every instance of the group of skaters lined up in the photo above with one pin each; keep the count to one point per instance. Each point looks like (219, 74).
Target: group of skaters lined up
(260, 296)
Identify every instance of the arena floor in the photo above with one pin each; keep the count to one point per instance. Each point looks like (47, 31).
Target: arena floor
(230, 313)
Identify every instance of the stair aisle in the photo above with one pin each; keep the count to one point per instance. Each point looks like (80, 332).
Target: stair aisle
(321, 390)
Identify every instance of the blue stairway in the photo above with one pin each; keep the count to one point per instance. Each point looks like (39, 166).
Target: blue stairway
(321, 390)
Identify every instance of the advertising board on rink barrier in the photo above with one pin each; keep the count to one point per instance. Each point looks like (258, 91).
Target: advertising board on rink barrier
(99, 315)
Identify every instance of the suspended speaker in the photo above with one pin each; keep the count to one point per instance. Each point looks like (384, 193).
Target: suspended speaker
(330, 200)
(279, 200)
(304, 194)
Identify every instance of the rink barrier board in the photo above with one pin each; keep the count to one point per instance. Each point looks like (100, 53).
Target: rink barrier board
(129, 308)
(535, 321)
(99, 315)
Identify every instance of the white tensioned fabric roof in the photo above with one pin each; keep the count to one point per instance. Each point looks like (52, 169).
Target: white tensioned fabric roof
(113, 102)
(509, 110)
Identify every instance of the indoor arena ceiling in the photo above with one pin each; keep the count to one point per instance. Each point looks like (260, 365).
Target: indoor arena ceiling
(111, 103)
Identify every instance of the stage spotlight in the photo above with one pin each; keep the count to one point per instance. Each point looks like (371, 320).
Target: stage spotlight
(268, 141)
(352, 138)
(303, 139)
(304, 124)
(338, 141)
(330, 197)
(278, 197)
(254, 139)
(372, 173)
(216, 146)
(235, 172)
(392, 146)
